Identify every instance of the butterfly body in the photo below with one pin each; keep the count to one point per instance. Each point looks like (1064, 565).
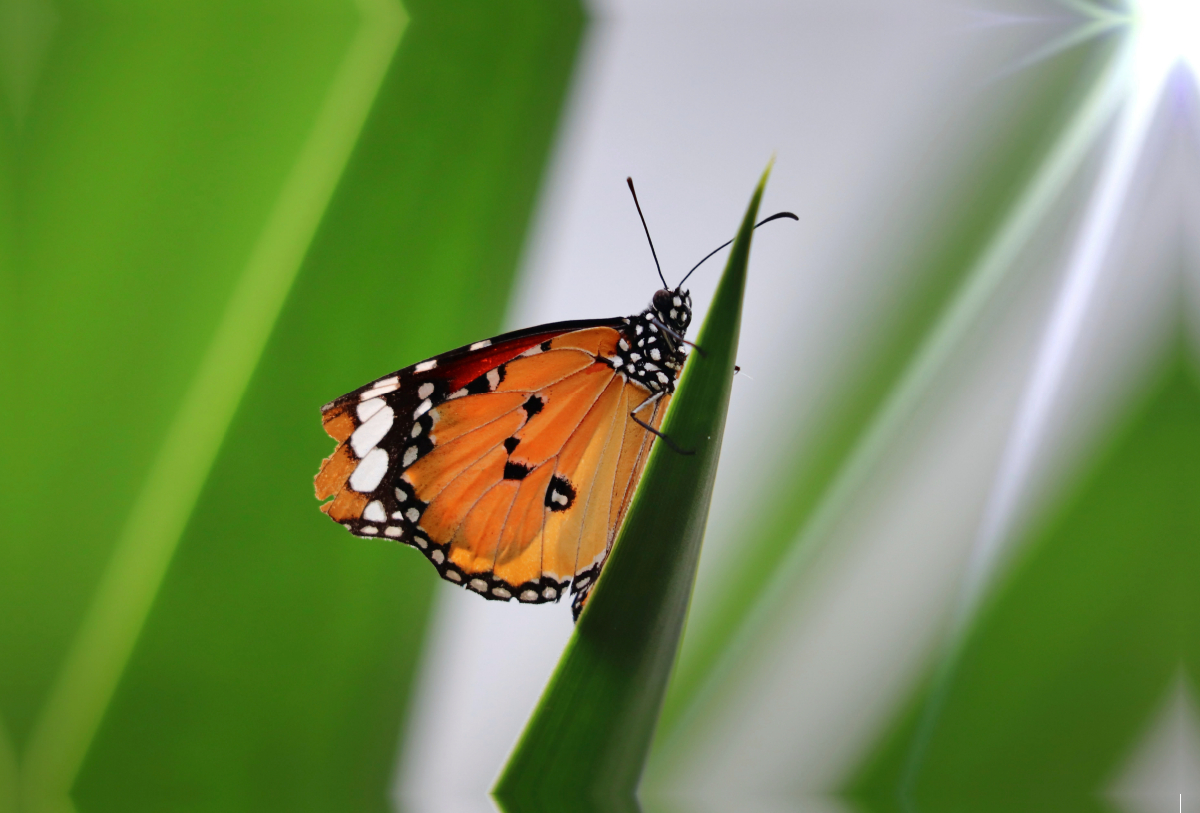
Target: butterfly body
(510, 463)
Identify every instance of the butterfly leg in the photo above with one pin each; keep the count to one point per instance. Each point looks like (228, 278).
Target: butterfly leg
(647, 402)
(674, 446)
(672, 334)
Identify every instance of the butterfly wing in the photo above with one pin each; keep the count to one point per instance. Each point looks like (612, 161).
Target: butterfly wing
(508, 463)
(627, 448)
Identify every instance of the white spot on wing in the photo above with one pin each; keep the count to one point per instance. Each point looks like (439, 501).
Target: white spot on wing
(453, 576)
(479, 584)
(422, 409)
(493, 379)
(425, 366)
(367, 436)
(369, 529)
(549, 592)
(368, 408)
(370, 471)
(416, 430)
(438, 557)
(381, 387)
(374, 512)
(456, 394)
(500, 592)
(425, 391)
(393, 531)
(482, 344)
(400, 495)
(410, 456)
(529, 595)
(413, 515)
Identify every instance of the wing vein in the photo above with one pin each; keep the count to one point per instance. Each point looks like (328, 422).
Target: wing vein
(592, 491)
(557, 459)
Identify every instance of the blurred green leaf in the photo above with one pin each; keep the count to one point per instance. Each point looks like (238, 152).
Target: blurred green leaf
(589, 736)
(1078, 646)
(715, 653)
(156, 147)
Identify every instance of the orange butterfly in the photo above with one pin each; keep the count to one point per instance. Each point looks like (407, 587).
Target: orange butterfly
(511, 462)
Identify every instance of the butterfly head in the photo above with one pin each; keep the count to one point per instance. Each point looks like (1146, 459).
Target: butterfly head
(673, 309)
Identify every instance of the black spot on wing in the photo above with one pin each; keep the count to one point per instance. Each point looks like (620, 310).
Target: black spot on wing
(510, 444)
(487, 382)
(479, 385)
(533, 406)
(515, 471)
(560, 494)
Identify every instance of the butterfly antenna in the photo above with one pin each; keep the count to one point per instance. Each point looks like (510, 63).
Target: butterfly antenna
(723, 245)
(644, 226)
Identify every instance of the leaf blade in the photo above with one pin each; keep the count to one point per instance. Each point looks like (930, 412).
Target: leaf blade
(590, 734)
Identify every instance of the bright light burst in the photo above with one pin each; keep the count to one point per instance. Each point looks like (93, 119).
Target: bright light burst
(1167, 32)
(1160, 35)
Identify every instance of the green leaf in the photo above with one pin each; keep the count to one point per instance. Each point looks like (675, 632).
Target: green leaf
(258, 657)
(589, 736)
(947, 275)
(1068, 665)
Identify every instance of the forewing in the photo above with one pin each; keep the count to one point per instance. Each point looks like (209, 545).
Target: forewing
(424, 454)
(509, 463)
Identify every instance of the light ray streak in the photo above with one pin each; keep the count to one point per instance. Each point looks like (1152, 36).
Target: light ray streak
(1091, 9)
(1075, 37)
(990, 270)
(1145, 69)
(1059, 339)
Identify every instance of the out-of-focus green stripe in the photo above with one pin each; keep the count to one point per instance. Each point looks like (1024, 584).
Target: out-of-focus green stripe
(1075, 651)
(137, 184)
(97, 657)
(274, 669)
(715, 653)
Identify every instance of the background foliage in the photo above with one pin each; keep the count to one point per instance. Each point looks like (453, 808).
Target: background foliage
(154, 152)
(215, 217)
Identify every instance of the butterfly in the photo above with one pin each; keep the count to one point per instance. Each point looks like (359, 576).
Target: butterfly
(510, 463)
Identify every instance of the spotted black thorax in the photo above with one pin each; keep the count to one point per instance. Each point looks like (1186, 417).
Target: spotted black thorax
(648, 353)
